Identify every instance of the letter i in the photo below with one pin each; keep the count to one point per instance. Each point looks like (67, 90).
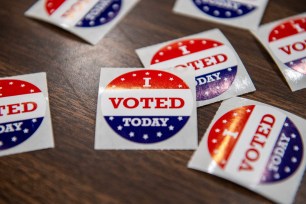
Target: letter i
(184, 50)
(147, 82)
(297, 27)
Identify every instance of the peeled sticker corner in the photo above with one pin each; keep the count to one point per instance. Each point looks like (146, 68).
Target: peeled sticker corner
(238, 13)
(25, 123)
(88, 19)
(254, 145)
(219, 72)
(146, 109)
(285, 40)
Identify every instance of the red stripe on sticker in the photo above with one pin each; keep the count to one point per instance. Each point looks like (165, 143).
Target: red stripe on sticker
(288, 28)
(12, 87)
(225, 133)
(182, 48)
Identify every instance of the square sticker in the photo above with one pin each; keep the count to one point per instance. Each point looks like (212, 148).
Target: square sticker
(285, 40)
(255, 145)
(219, 72)
(24, 114)
(245, 14)
(91, 20)
(146, 109)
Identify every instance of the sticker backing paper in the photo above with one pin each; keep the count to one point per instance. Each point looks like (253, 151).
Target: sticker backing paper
(239, 13)
(88, 19)
(219, 72)
(254, 145)
(25, 123)
(285, 40)
(146, 109)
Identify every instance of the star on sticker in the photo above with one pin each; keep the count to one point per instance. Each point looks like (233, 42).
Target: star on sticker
(248, 110)
(22, 85)
(1, 143)
(225, 79)
(291, 63)
(0, 94)
(224, 121)
(287, 169)
(296, 148)
(145, 136)
(235, 114)
(113, 86)
(134, 75)
(180, 43)
(206, 93)
(216, 151)
(14, 139)
(294, 160)
(159, 134)
(34, 120)
(119, 127)
(218, 87)
(169, 47)
(191, 41)
(229, 69)
(214, 141)
(11, 83)
(171, 79)
(131, 134)
(160, 74)
(0, 87)
(217, 130)
(157, 60)
(122, 79)
(276, 176)
(171, 127)
(223, 161)
(161, 53)
(215, 45)
(31, 90)
(293, 135)
(26, 130)
(180, 86)
(286, 124)
(147, 73)
(180, 118)
(111, 118)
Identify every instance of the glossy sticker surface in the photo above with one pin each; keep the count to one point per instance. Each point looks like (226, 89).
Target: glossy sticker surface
(141, 106)
(287, 41)
(22, 111)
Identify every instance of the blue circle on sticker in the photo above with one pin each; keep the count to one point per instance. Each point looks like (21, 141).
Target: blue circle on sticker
(214, 84)
(147, 106)
(286, 155)
(101, 13)
(21, 111)
(224, 9)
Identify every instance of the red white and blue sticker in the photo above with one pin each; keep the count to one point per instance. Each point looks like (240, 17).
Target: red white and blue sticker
(255, 145)
(212, 58)
(224, 9)
(140, 114)
(22, 111)
(284, 156)
(146, 107)
(287, 41)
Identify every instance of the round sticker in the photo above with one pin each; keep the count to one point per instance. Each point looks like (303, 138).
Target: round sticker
(215, 64)
(103, 12)
(224, 8)
(22, 111)
(256, 142)
(288, 42)
(147, 106)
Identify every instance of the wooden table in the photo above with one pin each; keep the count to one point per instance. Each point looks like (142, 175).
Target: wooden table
(74, 172)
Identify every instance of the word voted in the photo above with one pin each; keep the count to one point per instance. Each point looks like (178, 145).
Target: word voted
(145, 122)
(148, 102)
(17, 108)
(208, 78)
(11, 127)
(299, 46)
(257, 143)
(204, 62)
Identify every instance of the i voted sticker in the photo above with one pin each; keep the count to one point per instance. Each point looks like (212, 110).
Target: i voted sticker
(255, 145)
(224, 8)
(213, 59)
(89, 19)
(271, 153)
(21, 112)
(238, 13)
(147, 106)
(287, 41)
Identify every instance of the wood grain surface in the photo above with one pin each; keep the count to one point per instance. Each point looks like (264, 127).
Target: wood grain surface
(73, 172)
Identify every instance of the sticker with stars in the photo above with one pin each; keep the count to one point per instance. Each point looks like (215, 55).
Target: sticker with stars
(89, 19)
(286, 41)
(147, 107)
(22, 112)
(231, 12)
(254, 144)
(215, 63)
